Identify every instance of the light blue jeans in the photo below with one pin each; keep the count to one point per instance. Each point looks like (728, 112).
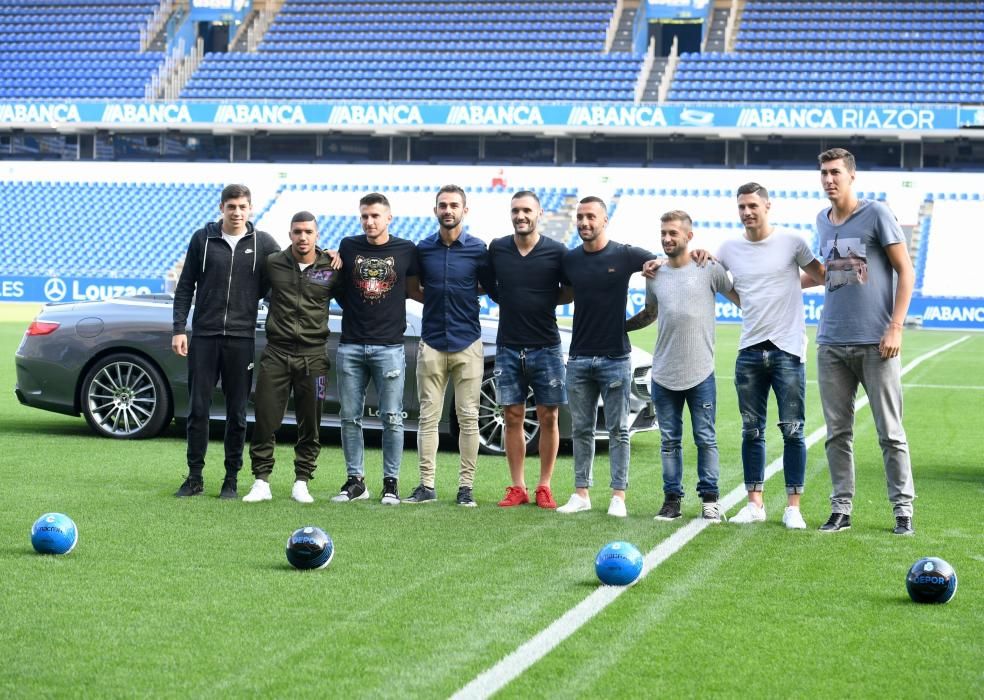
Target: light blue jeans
(702, 400)
(355, 365)
(589, 377)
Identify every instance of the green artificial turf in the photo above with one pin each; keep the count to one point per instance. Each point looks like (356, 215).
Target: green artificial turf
(169, 597)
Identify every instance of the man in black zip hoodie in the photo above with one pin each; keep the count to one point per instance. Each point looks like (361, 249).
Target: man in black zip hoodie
(224, 273)
(302, 283)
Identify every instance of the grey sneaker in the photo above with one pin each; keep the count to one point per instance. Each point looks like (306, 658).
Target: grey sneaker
(903, 525)
(670, 509)
(391, 492)
(354, 489)
(421, 494)
(710, 509)
(465, 497)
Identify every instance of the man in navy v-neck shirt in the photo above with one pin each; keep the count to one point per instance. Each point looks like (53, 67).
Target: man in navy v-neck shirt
(599, 362)
(528, 287)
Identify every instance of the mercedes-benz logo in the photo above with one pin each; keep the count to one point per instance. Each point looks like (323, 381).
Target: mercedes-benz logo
(55, 289)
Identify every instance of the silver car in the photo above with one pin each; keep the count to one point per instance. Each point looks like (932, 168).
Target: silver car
(112, 362)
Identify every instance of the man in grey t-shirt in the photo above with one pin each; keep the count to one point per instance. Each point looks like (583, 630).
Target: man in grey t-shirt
(682, 295)
(869, 281)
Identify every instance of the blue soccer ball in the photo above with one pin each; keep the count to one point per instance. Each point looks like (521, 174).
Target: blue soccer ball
(931, 580)
(54, 533)
(310, 547)
(618, 564)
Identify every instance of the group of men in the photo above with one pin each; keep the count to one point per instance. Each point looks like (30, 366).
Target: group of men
(866, 269)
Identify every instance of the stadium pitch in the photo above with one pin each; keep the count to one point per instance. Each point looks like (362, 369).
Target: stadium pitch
(167, 597)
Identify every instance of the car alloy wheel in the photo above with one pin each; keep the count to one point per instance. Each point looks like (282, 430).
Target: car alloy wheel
(124, 396)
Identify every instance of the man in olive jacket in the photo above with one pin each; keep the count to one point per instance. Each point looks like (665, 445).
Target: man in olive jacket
(302, 283)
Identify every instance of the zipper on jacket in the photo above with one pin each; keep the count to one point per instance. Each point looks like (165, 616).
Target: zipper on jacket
(232, 267)
(225, 313)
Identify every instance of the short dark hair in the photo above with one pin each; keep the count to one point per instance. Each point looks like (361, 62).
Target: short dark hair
(374, 198)
(591, 198)
(677, 215)
(453, 189)
(526, 193)
(303, 216)
(753, 188)
(838, 154)
(235, 192)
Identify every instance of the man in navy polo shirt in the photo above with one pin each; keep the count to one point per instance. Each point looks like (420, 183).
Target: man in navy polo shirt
(452, 266)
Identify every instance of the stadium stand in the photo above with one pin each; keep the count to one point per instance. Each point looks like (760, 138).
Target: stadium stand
(402, 50)
(109, 230)
(949, 263)
(714, 213)
(412, 207)
(827, 51)
(58, 50)
(121, 231)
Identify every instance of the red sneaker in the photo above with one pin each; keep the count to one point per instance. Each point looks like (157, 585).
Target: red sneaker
(544, 498)
(515, 496)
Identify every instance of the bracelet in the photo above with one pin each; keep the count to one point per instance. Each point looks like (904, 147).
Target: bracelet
(895, 323)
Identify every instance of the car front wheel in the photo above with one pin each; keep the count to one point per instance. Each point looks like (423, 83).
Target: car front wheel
(492, 421)
(124, 396)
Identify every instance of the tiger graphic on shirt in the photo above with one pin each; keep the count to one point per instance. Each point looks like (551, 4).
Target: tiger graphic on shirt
(374, 277)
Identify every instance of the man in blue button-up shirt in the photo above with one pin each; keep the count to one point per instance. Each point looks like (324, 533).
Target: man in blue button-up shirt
(452, 265)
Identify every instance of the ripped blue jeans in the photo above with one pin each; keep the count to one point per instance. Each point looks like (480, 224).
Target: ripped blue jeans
(756, 372)
(386, 365)
(702, 401)
(520, 370)
(590, 377)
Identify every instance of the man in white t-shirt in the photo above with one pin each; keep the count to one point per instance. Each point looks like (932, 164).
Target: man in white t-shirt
(765, 265)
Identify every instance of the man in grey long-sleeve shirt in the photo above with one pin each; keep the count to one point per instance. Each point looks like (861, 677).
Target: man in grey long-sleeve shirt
(682, 294)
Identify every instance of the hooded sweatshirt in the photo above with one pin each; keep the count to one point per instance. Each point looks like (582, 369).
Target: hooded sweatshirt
(226, 286)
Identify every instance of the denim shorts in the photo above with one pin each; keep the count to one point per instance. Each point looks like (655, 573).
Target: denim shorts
(518, 370)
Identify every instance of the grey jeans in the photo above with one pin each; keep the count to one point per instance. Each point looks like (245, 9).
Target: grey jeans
(841, 368)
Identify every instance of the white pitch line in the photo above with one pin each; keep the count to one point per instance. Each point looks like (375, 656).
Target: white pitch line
(948, 387)
(494, 679)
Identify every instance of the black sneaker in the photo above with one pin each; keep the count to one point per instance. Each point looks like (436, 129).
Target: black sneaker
(903, 525)
(354, 489)
(465, 497)
(836, 522)
(190, 487)
(391, 492)
(670, 509)
(421, 494)
(228, 490)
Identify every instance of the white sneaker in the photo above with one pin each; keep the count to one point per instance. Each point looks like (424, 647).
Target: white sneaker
(793, 519)
(575, 505)
(751, 513)
(260, 491)
(617, 507)
(300, 492)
